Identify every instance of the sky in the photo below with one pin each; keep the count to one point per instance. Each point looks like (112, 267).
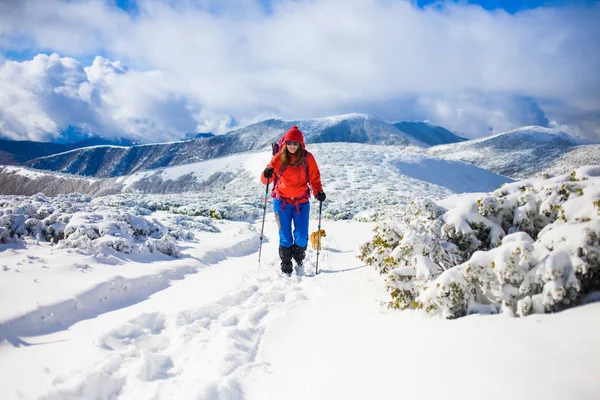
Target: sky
(154, 70)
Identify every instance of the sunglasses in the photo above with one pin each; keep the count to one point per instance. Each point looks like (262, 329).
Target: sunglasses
(290, 143)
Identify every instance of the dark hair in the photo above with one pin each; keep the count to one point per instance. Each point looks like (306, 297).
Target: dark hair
(298, 156)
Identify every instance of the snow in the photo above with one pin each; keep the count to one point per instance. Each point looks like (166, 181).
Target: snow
(456, 176)
(35, 174)
(253, 162)
(523, 153)
(148, 296)
(85, 149)
(236, 329)
(545, 134)
(361, 180)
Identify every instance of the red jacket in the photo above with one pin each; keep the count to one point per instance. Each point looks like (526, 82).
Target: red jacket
(293, 183)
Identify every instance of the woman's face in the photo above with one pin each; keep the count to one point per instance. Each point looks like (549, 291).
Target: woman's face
(292, 147)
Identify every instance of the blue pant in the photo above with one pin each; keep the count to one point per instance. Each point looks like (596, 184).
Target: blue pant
(284, 220)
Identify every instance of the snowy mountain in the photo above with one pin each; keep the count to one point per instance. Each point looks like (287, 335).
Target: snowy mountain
(523, 152)
(21, 151)
(428, 133)
(107, 161)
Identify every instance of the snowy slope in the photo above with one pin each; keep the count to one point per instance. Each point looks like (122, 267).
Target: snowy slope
(27, 181)
(575, 157)
(519, 153)
(428, 133)
(357, 178)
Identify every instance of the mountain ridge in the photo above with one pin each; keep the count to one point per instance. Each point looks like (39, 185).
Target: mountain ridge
(22, 151)
(103, 161)
(519, 153)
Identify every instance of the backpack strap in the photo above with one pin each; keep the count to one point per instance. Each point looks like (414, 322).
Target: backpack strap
(296, 200)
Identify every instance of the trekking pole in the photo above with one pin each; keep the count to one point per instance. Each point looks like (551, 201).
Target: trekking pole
(263, 221)
(319, 237)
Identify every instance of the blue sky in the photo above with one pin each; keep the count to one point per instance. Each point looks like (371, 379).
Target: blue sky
(171, 67)
(510, 6)
(128, 5)
(513, 6)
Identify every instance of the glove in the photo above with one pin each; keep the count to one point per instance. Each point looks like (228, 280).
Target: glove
(321, 196)
(268, 172)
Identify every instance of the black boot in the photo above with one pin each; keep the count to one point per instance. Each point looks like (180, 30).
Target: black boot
(285, 253)
(298, 253)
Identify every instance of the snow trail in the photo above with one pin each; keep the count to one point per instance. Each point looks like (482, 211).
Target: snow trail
(173, 345)
(199, 349)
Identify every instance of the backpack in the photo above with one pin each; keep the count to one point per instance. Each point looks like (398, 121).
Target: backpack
(276, 146)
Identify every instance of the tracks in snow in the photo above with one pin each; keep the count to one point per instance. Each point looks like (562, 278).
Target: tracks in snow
(198, 353)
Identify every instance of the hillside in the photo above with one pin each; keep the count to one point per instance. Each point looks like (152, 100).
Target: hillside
(521, 153)
(21, 151)
(428, 133)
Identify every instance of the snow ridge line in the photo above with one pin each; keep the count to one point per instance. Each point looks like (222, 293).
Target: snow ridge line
(200, 353)
(108, 296)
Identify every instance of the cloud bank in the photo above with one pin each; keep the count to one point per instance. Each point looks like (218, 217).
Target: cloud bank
(200, 65)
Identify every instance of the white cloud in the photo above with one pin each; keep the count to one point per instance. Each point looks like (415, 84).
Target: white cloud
(39, 95)
(42, 97)
(479, 115)
(460, 65)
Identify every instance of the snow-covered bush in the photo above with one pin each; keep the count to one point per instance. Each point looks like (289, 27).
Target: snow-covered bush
(120, 231)
(165, 244)
(214, 205)
(94, 226)
(37, 216)
(530, 246)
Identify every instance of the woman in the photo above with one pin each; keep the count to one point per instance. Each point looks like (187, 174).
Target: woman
(294, 169)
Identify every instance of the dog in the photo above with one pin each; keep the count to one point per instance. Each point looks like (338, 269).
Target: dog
(314, 239)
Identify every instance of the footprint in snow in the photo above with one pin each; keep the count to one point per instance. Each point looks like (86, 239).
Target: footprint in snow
(206, 346)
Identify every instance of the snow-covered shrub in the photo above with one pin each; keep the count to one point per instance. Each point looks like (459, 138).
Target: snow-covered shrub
(196, 223)
(236, 206)
(529, 246)
(5, 234)
(121, 231)
(165, 245)
(77, 221)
